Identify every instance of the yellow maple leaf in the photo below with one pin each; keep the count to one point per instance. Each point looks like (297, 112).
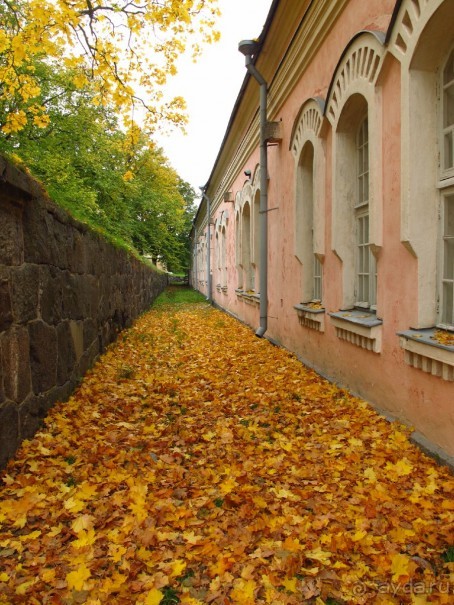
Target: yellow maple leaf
(319, 555)
(177, 567)
(359, 535)
(402, 467)
(128, 176)
(82, 522)
(84, 538)
(227, 486)
(400, 566)
(154, 597)
(259, 501)
(4, 577)
(74, 505)
(42, 121)
(369, 473)
(290, 584)
(76, 579)
(191, 537)
(243, 591)
(48, 575)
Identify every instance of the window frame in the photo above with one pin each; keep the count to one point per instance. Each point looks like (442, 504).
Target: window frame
(445, 194)
(446, 173)
(362, 213)
(446, 191)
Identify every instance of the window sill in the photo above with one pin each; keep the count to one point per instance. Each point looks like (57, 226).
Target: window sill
(248, 296)
(311, 316)
(360, 328)
(424, 352)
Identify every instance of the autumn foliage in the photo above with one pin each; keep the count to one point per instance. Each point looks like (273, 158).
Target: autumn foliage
(199, 464)
(125, 50)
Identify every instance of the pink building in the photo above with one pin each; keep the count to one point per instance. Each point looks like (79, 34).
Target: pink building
(331, 225)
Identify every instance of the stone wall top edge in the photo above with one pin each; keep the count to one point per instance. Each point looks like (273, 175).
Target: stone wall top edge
(17, 179)
(18, 188)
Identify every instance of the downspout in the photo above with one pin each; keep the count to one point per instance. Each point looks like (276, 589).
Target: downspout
(249, 48)
(207, 199)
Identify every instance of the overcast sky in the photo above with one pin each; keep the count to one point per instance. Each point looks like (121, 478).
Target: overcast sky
(210, 88)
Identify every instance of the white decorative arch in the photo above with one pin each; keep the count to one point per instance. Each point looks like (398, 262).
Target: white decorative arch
(308, 127)
(356, 75)
(356, 72)
(411, 20)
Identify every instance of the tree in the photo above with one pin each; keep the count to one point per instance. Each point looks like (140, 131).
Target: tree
(125, 49)
(117, 181)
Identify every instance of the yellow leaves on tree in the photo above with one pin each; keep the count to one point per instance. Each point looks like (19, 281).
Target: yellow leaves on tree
(126, 51)
(196, 477)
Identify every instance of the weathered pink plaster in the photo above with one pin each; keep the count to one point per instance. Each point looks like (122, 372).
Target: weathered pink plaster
(384, 379)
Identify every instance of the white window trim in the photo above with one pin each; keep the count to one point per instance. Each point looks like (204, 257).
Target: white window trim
(445, 173)
(308, 128)
(410, 43)
(444, 193)
(352, 78)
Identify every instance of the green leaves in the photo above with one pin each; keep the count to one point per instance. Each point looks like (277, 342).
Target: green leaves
(118, 182)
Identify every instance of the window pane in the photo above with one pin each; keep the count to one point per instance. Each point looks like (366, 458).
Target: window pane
(448, 106)
(363, 163)
(366, 158)
(449, 154)
(448, 73)
(449, 216)
(317, 279)
(447, 312)
(448, 269)
(448, 304)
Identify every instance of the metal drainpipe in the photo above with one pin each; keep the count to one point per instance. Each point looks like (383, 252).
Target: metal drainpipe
(248, 48)
(207, 199)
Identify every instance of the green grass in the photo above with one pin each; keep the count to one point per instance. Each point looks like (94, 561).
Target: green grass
(178, 295)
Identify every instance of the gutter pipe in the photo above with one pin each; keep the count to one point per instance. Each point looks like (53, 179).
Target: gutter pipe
(249, 48)
(207, 199)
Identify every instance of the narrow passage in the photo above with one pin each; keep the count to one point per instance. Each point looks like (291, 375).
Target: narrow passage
(197, 464)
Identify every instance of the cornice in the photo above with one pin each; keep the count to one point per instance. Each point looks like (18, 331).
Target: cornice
(309, 36)
(306, 44)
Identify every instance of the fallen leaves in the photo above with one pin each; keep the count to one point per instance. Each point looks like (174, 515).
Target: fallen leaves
(218, 469)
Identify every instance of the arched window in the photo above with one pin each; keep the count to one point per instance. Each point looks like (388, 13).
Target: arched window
(305, 212)
(309, 225)
(223, 258)
(246, 246)
(239, 269)
(352, 205)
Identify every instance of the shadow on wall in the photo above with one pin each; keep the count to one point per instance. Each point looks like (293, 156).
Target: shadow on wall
(65, 294)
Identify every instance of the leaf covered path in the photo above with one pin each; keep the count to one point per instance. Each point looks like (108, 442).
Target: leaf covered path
(199, 464)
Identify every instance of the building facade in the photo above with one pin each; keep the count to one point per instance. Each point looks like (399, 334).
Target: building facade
(354, 235)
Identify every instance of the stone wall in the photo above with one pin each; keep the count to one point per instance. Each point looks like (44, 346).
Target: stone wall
(65, 293)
